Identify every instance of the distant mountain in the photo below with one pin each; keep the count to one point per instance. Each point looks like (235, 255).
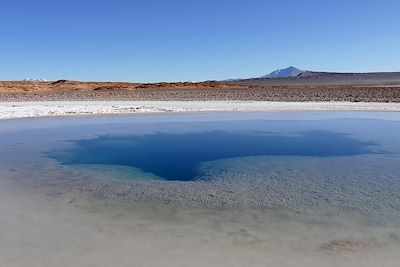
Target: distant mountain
(284, 73)
(325, 78)
(35, 80)
(289, 72)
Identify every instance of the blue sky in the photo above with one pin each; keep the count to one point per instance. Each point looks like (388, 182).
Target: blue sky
(160, 40)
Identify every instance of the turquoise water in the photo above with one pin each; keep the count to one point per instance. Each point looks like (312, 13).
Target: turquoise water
(284, 187)
(177, 156)
(293, 160)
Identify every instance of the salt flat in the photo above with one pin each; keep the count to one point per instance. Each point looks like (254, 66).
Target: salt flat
(14, 110)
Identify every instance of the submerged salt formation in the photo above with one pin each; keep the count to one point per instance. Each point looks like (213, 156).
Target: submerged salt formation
(321, 162)
(301, 209)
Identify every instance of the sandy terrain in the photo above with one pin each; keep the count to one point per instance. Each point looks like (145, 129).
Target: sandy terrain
(68, 86)
(69, 90)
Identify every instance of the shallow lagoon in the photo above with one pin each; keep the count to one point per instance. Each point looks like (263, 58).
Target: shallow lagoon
(289, 160)
(176, 156)
(250, 186)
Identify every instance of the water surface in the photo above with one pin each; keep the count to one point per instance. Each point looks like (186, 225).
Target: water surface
(248, 189)
(345, 161)
(176, 156)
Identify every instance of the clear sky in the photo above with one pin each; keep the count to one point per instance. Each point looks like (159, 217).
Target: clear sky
(182, 40)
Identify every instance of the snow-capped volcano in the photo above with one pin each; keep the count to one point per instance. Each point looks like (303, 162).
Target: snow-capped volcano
(284, 73)
(35, 80)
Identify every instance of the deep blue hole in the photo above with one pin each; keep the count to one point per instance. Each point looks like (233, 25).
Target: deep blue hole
(176, 156)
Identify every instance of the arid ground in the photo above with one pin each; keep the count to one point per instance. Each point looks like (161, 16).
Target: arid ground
(372, 87)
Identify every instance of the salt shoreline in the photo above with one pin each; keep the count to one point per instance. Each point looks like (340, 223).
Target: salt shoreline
(15, 110)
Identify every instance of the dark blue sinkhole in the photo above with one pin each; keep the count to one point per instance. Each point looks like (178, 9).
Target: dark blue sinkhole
(177, 156)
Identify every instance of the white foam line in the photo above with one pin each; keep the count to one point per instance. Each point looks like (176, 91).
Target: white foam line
(13, 110)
